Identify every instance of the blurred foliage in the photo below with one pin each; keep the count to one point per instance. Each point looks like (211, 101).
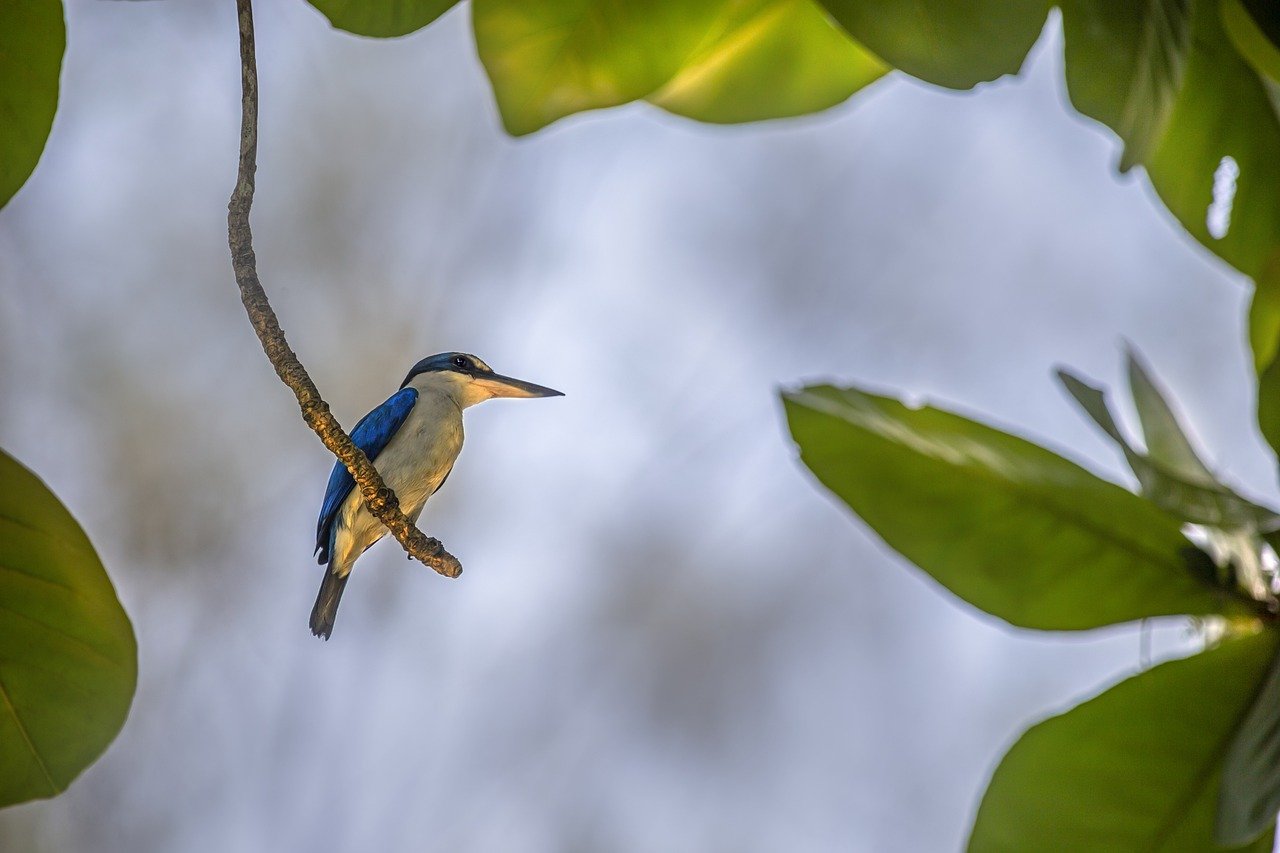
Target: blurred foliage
(382, 20)
(1250, 793)
(1221, 110)
(69, 668)
(1127, 72)
(765, 60)
(550, 60)
(1034, 539)
(952, 43)
(718, 62)
(1254, 27)
(1264, 333)
(32, 39)
(1135, 768)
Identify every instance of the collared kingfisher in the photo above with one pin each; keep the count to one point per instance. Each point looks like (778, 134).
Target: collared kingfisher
(412, 439)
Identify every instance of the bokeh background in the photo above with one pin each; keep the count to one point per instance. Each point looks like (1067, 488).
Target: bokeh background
(668, 637)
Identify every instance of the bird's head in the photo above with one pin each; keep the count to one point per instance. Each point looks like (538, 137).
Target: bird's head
(469, 380)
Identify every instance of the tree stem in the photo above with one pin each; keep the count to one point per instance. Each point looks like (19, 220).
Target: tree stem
(379, 499)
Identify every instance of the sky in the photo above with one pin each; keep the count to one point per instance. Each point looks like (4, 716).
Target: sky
(667, 636)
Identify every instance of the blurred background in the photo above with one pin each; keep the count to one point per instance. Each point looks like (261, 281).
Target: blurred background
(668, 637)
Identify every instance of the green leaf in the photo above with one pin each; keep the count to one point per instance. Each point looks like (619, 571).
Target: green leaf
(1220, 110)
(1266, 15)
(1010, 527)
(1250, 794)
(32, 39)
(1254, 28)
(1125, 62)
(1264, 335)
(1167, 442)
(1264, 315)
(1136, 768)
(713, 60)
(1199, 502)
(1223, 110)
(382, 18)
(953, 43)
(553, 58)
(768, 59)
(68, 660)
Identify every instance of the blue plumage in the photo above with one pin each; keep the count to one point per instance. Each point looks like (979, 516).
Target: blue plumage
(414, 438)
(370, 435)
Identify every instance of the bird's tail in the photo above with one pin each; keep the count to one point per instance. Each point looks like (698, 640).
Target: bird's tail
(326, 609)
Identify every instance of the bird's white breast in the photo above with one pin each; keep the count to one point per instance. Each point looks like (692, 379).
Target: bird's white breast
(414, 464)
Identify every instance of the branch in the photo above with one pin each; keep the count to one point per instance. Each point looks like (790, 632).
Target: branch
(379, 499)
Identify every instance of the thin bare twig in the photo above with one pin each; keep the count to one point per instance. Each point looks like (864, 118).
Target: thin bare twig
(380, 500)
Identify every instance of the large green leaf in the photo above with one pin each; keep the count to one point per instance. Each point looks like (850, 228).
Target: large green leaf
(553, 58)
(1191, 498)
(32, 39)
(954, 43)
(1137, 768)
(768, 59)
(382, 18)
(714, 60)
(1008, 526)
(1250, 795)
(1125, 65)
(68, 661)
(1221, 109)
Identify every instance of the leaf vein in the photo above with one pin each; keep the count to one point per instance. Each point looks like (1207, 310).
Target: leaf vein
(26, 737)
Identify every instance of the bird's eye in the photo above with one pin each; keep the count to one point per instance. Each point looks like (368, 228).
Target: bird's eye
(459, 361)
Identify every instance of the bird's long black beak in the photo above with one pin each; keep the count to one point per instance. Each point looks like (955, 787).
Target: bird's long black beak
(507, 386)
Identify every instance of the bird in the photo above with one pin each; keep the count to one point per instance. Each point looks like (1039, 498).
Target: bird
(412, 439)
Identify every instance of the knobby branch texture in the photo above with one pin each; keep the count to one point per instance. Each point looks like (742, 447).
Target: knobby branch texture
(380, 500)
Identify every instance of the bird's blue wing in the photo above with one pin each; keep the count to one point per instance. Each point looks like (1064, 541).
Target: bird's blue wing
(370, 435)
